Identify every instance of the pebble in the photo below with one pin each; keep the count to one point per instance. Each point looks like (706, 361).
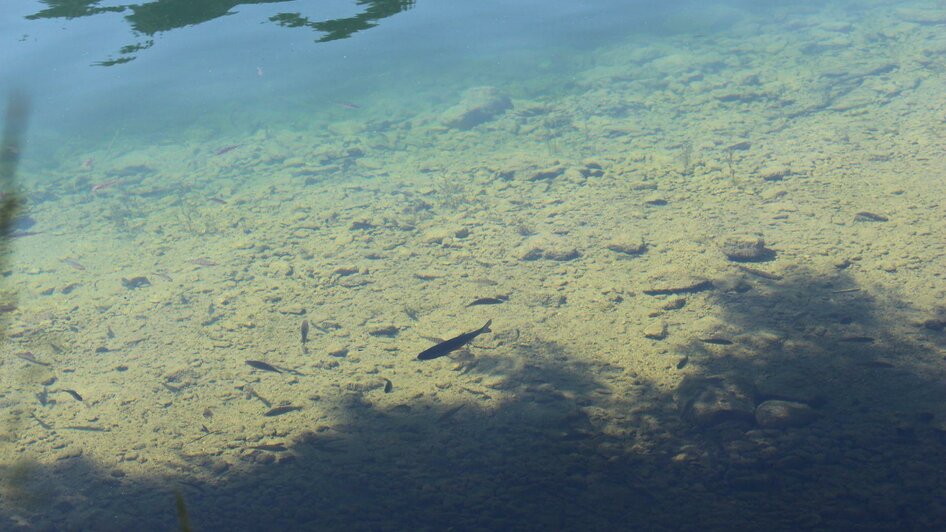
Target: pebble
(656, 330)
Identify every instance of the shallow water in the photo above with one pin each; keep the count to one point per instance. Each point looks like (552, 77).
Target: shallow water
(709, 238)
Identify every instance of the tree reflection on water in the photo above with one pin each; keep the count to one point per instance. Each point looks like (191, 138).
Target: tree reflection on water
(150, 18)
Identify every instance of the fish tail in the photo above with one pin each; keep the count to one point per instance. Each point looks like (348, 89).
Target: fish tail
(486, 328)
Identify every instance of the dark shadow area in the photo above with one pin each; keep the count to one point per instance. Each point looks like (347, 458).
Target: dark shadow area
(149, 19)
(554, 444)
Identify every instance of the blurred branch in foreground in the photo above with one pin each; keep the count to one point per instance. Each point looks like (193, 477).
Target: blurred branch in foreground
(14, 126)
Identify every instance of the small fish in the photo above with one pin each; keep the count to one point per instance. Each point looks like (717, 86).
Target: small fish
(263, 366)
(446, 347)
(760, 273)
(202, 261)
(875, 364)
(105, 185)
(716, 341)
(349, 105)
(227, 149)
(250, 393)
(857, 340)
(42, 423)
(489, 301)
(217, 200)
(450, 413)
(75, 264)
(865, 216)
(305, 332)
(29, 357)
(75, 395)
(272, 447)
(87, 428)
(388, 386)
(280, 410)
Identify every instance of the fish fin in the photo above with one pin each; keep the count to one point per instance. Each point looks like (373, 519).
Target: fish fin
(486, 328)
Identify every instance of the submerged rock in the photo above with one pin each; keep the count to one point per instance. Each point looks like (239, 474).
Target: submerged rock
(777, 414)
(628, 244)
(479, 105)
(548, 248)
(708, 401)
(744, 248)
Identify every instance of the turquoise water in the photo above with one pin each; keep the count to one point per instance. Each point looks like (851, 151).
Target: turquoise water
(706, 239)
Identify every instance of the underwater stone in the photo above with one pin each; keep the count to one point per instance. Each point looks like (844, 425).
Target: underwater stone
(546, 248)
(628, 244)
(479, 105)
(708, 401)
(742, 248)
(776, 414)
(656, 330)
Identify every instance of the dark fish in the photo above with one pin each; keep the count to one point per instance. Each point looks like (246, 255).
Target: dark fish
(263, 366)
(489, 301)
(444, 348)
(273, 447)
(202, 261)
(217, 200)
(29, 357)
(876, 364)
(760, 273)
(87, 428)
(450, 413)
(42, 423)
(857, 340)
(43, 397)
(74, 263)
(250, 393)
(227, 149)
(75, 395)
(388, 386)
(865, 216)
(305, 331)
(716, 341)
(280, 410)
